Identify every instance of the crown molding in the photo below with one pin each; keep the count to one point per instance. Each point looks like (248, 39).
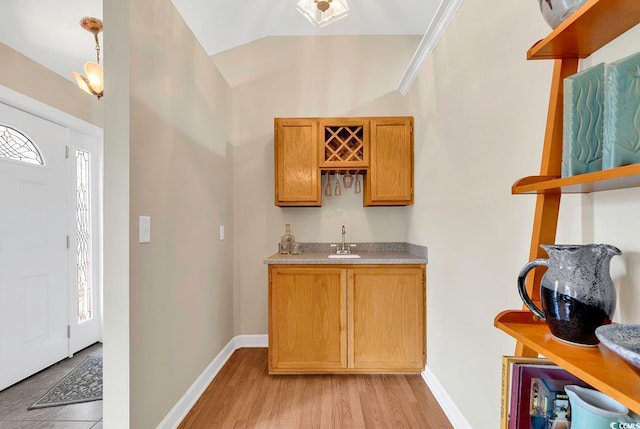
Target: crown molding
(438, 25)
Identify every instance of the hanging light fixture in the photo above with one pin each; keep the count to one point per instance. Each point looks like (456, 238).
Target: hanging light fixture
(323, 12)
(93, 82)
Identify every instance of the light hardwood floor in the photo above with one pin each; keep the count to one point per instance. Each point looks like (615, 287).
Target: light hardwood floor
(243, 395)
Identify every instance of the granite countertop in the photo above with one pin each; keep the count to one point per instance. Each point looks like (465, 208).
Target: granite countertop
(370, 253)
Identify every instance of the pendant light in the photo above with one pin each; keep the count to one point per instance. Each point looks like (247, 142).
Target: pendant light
(93, 81)
(323, 12)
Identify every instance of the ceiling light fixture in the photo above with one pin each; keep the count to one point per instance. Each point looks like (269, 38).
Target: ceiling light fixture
(93, 83)
(323, 12)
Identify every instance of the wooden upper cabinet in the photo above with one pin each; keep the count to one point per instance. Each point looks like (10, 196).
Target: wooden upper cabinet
(379, 148)
(344, 143)
(297, 176)
(389, 180)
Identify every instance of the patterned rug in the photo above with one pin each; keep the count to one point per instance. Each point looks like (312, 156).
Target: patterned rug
(83, 384)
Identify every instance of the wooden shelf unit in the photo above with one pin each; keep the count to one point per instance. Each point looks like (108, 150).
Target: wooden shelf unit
(597, 366)
(605, 180)
(594, 25)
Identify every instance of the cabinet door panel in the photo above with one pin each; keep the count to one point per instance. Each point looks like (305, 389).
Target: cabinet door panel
(387, 318)
(307, 324)
(390, 178)
(296, 162)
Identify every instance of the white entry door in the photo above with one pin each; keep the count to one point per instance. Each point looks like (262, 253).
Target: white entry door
(34, 253)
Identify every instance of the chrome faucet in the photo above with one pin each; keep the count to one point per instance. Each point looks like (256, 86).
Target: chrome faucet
(344, 249)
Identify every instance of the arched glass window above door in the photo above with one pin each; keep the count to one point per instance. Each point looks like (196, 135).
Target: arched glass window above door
(15, 145)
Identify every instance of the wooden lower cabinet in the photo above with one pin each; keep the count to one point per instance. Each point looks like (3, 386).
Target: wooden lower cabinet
(387, 319)
(359, 319)
(307, 319)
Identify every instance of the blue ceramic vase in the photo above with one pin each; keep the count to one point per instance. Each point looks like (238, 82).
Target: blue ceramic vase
(556, 11)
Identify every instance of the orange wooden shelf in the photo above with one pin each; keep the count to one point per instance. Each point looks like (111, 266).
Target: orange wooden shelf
(605, 180)
(594, 25)
(597, 366)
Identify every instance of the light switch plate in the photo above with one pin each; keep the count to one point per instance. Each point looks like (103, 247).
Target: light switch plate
(145, 229)
(221, 232)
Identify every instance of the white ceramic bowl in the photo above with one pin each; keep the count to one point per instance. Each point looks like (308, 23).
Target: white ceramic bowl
(624, 340)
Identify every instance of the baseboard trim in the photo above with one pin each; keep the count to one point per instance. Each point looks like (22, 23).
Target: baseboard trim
(244, 341)
(188, 400)
(446, 403)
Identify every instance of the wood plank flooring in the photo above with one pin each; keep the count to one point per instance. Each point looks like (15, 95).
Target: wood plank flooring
(243, 395)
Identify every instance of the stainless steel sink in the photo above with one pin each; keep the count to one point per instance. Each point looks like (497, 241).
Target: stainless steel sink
(350, 256)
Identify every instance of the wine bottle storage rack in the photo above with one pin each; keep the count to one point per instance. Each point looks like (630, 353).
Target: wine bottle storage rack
(344, 144)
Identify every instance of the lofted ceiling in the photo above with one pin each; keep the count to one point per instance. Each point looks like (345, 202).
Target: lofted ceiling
(49, 31)
(222, 25)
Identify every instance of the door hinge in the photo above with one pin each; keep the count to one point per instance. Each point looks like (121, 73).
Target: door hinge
(68, 331)
(269, 278)
(411, 129)
(424, 279)
(68, 242)
(66, 152)
(276, 191)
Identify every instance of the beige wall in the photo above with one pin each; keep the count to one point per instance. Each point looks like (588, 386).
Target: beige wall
(116, 297)
(302, 76)
(480, 112)
(175, 113)
(181, 283)
(22, 74)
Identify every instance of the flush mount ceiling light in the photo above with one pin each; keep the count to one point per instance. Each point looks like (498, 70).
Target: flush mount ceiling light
(93, 82)
(323, 12)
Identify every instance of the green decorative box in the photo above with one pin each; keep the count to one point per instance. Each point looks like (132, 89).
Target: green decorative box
(622, 113)
(583, 133)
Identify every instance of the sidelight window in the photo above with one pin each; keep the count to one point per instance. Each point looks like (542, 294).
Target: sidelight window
(83, 233)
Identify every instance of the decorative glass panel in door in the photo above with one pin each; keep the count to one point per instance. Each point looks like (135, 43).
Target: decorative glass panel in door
(83, 235)
(15, 145)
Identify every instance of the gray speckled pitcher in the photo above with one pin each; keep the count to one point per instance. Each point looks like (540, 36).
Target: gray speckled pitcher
(576, 292)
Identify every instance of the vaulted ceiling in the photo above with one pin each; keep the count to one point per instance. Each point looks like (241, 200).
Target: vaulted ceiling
(221, 25)
(49, 31)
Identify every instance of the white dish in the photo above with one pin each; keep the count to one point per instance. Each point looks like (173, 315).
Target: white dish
(624, 340)
(344, 256)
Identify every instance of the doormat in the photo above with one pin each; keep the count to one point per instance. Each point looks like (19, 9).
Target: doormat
(83, 384)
